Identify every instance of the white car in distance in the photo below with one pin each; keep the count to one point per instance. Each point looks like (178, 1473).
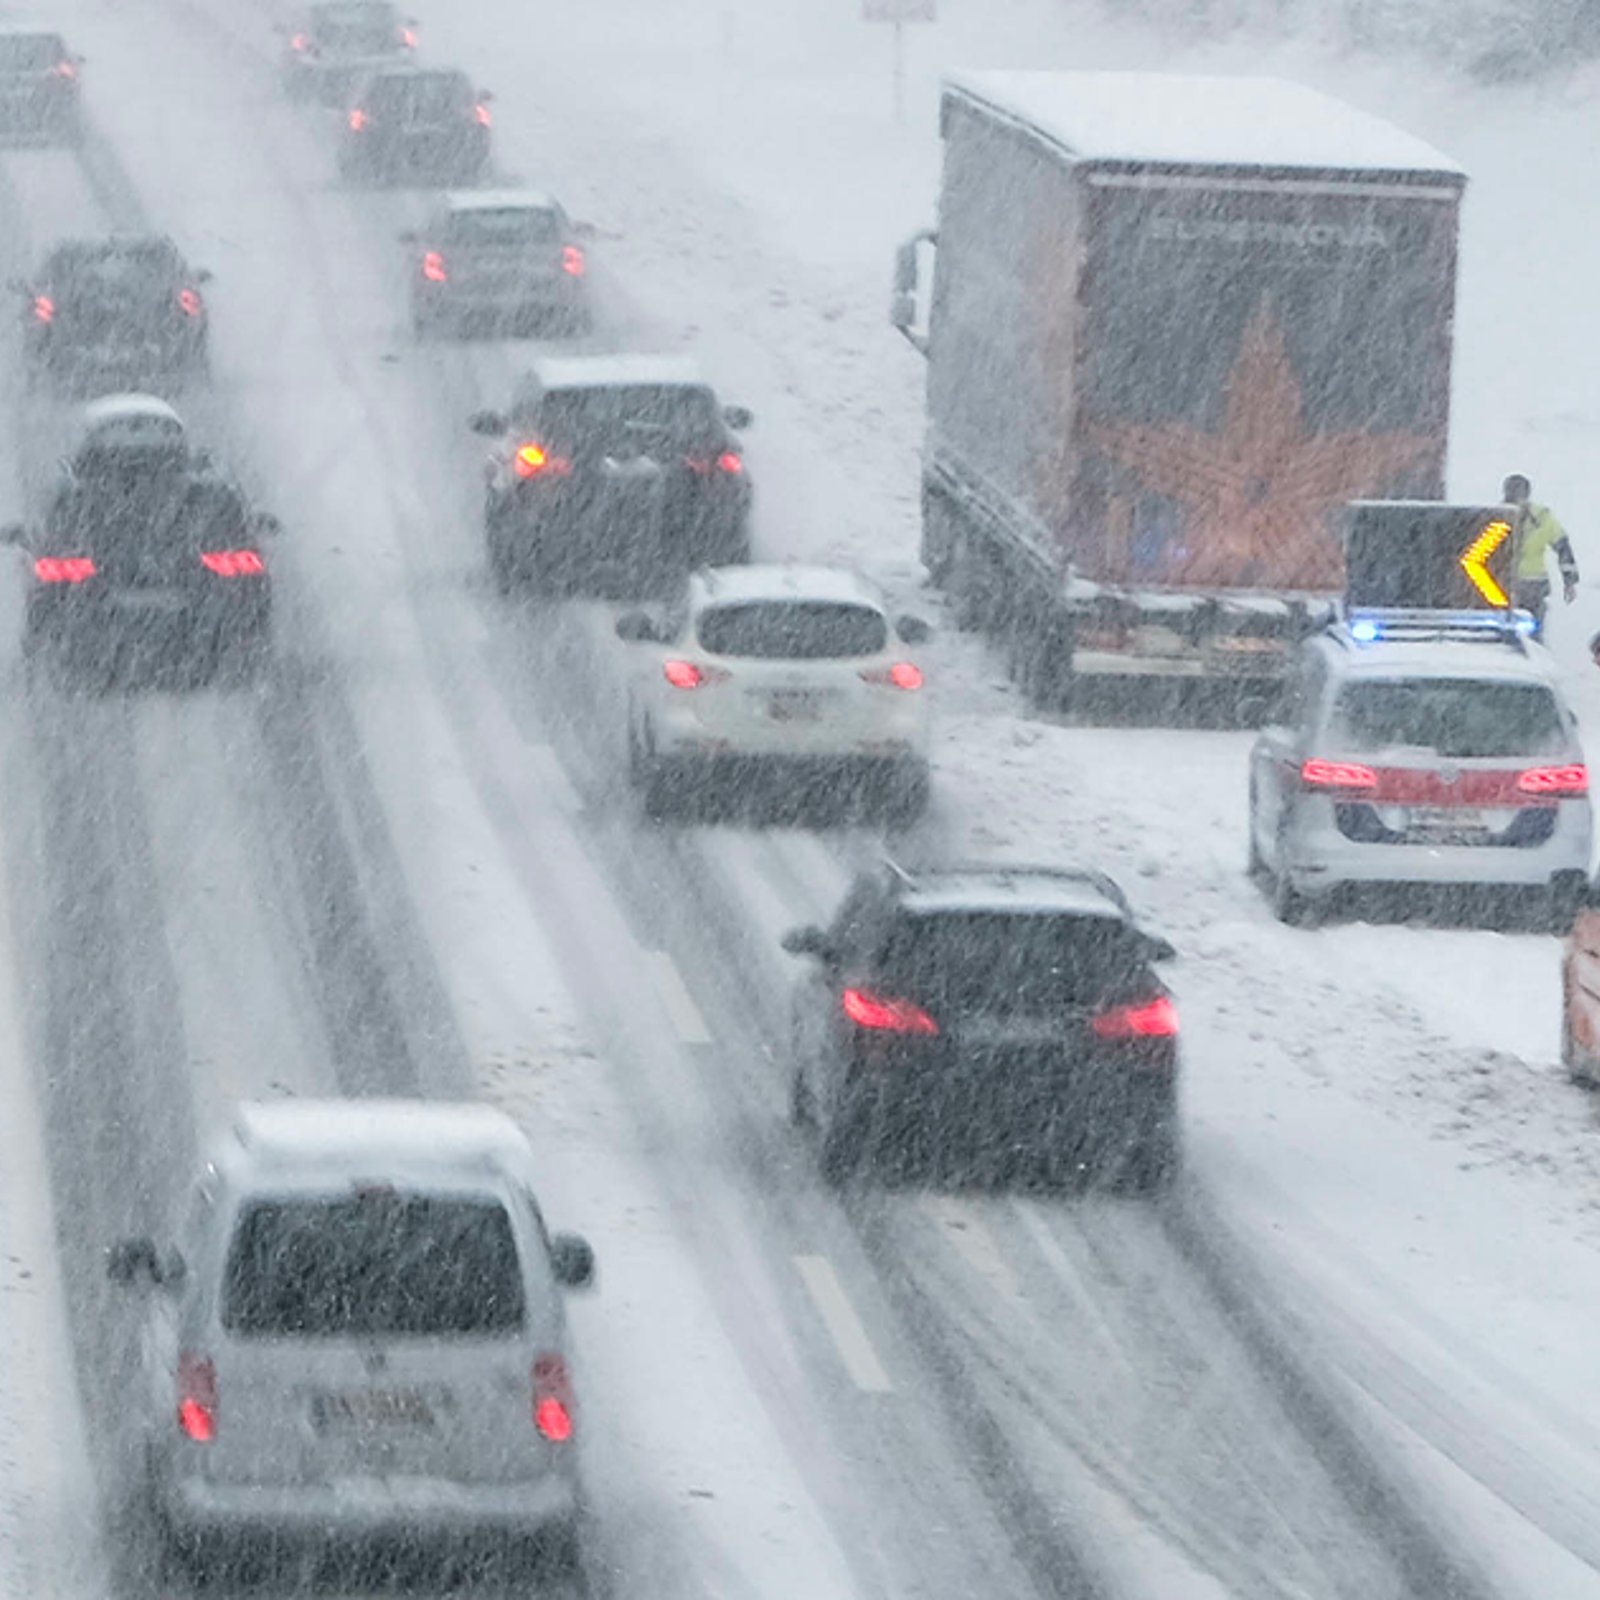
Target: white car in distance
(793, 670)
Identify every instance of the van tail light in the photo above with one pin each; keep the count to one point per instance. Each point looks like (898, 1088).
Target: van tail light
(1317, 774)
(44, 308)
(63, 569)
(358, 120)
(573, 262)
(190, 303)
(902, 675)
(552, 1399)
(234, 563)
(481, 112)
(197, 1397)
(433, 268)
(884, 1014)
(1573, 780)
(691, 675)
(533, 460)
(1150, 1019)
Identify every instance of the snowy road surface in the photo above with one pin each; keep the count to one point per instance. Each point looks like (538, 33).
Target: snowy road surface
(1346, 1361)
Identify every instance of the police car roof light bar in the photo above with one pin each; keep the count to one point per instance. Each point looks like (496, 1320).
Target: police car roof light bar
(1372, 625)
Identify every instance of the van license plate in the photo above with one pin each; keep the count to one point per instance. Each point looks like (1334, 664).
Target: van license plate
(371, 1408)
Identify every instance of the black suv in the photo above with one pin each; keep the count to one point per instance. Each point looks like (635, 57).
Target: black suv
(415, 127)
(614, 476)
(985, 1023)
(148, 566)
(117, 312)
(38, 87)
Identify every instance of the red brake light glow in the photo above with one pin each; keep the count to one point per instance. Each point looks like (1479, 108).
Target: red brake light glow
(433, 268)
(299, 43)
(730, 463)
(197, 1397)
(358, 120)
(687, 675)
(67, 69)
(481, 112)
(233, 563)
(880, 1014)
(902, 675)
(44, 308)
(572, 261)
(408, 38)
(1573, 780)
(189, 300)
(1154, 1019)
(63, 569)
(1318, 774)
(532, 459)
(552, 1399)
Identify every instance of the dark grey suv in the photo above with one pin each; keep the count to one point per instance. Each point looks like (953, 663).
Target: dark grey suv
(982, 1023)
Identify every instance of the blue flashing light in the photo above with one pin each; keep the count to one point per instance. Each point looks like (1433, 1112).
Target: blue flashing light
(1365, 631)
(1369, 628)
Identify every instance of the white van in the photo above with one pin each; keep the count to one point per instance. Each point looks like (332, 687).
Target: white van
(360, 1333)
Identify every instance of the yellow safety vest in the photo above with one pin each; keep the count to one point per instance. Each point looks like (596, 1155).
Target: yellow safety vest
(1540, 533)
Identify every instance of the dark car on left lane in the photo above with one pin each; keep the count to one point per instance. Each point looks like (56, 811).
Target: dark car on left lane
(123, 311)
(149, 563)
(38, 87)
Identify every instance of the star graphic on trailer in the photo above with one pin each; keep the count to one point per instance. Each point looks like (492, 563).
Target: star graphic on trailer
(1260, 490)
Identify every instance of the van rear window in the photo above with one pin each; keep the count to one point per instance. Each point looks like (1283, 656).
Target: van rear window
(374, 1264)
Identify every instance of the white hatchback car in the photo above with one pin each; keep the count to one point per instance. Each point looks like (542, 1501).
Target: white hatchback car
(359, 1334)
(1421, 750)
(798, 668)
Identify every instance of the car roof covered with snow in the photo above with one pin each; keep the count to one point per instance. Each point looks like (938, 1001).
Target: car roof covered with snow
(782, 581)
(469, 200)
(1504, 660)
(1145, 119)
(342, 1141)
(1019, 887)
(615, 372)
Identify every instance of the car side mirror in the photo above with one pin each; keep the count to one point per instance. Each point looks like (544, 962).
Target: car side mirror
(914, 630)
(407, 236)
(485, 96)
(14, 533)
(584, 230)
(264, 525)
(200, 456)
(808, 941)
(129, 1260)
(572, 1261)
(738, 417)
(204, 275)
(489, 423)
(1158, 949)
(638, 627)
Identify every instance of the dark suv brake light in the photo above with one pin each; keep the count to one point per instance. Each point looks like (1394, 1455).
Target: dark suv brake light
(197, 1397)
(1148, 1019)
(64, 569)
(886, 1014)
(552, 1399)
(233, 563)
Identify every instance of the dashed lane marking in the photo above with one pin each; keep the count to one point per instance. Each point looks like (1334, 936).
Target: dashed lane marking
(839, 1316)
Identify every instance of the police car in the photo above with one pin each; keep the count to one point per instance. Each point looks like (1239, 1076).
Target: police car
(1426, 748)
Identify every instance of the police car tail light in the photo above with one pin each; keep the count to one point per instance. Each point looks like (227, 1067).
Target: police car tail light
(690, 675)
(1571, 780)
(63, 569)
(884, 1014)
(533, 461)
(1317, 774)
(233, 563)
(197, 1397)
(1151, 1019)
(552, 1398)
(433, 268)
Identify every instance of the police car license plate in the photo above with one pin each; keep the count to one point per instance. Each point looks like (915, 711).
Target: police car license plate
(1447, 824)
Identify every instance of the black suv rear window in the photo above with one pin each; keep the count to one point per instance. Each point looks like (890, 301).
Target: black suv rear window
(1010, 962)
(793, 630)
(426, 97)
(1461, 719)
(113, 268)
(372, 1265)
(357, 30)
(30, 52)
(509, 226)
(632, 419)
